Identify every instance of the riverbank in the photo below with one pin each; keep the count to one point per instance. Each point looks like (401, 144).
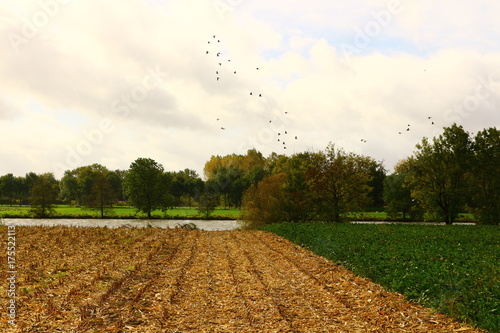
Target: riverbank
(208, 225)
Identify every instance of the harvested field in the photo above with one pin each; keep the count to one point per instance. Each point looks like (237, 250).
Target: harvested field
(176, 280)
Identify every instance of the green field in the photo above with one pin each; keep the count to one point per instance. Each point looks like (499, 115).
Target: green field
(452, 269)
(118, 212)
(177, 213)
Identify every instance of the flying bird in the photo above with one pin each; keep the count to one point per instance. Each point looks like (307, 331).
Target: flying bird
(222, 128)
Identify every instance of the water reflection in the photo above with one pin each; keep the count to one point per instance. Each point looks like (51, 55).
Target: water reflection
(210, 225)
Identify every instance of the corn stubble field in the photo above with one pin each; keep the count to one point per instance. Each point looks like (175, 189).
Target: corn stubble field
(176, 280)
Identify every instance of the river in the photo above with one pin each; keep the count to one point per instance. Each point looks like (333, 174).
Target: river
(210, 225)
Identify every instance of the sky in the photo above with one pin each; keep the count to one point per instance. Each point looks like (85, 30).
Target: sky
(107, 82)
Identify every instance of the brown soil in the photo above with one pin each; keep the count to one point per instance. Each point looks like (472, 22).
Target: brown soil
(155, 280)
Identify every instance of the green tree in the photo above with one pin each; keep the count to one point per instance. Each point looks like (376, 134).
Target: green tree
(439, 173)
(339, 183)
(485, 179)
(8, 187)
(146, 187)
(397, 196)
(185, 184)
(299, 205)
(207, 200)
(230, 185)
(44, 195)
(378, 174)
(69, 187)
(29, 181)
(102, 195)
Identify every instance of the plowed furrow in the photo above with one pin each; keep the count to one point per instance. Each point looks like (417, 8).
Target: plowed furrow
(157, 280)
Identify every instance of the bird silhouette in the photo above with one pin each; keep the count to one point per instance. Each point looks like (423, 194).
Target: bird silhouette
(222, 128)
(295, 137)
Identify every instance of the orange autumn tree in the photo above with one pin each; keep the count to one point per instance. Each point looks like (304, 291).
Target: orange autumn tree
(264, 203)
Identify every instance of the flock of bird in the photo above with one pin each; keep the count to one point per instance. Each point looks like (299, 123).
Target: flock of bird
(220, 64)
(409, 125)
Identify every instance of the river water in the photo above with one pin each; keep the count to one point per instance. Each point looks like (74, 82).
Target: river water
(210, 225)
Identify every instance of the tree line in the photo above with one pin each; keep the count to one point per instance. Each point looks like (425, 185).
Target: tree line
(452, 173)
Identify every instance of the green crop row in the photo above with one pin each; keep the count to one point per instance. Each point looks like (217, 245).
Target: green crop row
(452, 269)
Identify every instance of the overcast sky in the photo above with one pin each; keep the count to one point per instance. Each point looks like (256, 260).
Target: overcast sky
(106, 82)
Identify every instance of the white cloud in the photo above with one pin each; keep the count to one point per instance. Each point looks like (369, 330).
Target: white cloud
(91, 57)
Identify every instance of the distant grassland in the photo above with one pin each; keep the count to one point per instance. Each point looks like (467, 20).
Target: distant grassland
(118, 212)
(176, 213)
(453, 269)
